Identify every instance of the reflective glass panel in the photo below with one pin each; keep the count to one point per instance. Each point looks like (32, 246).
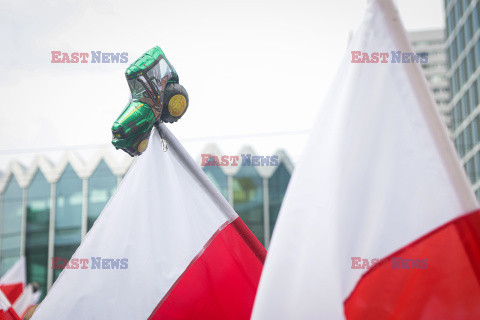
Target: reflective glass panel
(38, 219)
(101, 186)
(11, 225)
(277, 185)
(219, 179)
(68, 215)
(248, 199)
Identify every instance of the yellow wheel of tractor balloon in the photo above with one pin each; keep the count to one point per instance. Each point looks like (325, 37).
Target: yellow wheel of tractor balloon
(142, 146)
(175, 102)
(177, 105)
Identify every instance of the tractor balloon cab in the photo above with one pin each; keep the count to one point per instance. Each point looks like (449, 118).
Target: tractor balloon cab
(156, 96)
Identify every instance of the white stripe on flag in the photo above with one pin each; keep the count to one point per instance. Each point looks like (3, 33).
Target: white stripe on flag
(159, 219)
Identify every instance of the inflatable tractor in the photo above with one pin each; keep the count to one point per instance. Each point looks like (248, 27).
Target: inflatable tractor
(156, 96)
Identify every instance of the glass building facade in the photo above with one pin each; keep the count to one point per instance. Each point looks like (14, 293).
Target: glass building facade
(432, 43)
(46, 210)
(463, 49)
(37, 231)
(248, 200)
(11, 224)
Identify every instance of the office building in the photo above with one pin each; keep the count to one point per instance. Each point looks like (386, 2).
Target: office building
(463, 49)
(432, 43)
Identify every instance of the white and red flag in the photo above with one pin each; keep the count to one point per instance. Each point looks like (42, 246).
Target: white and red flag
(26, 301)
(14, 288)
(14, 281)
(379, 181)
(6, 310)
(166, 246)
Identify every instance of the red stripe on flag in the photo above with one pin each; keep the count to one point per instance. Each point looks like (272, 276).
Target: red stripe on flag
(447, 287)
(221, 282)
(12, 291)
(9, 314)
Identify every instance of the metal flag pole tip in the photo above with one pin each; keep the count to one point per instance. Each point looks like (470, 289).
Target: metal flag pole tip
(164, 142)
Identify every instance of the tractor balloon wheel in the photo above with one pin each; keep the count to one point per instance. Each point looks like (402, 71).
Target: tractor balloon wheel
(175, 102)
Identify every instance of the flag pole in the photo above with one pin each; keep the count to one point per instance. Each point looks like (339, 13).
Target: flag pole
(172, 144)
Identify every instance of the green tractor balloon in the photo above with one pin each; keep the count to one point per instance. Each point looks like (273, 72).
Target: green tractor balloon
(156, 96)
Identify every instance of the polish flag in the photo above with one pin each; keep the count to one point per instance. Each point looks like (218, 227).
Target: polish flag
(379, 181)
(166, 246)
(13, 285)
(14, 280)
(6, 310)
(25, 301)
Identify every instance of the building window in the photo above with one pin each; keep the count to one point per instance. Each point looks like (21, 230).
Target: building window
(477, 53)
(458, 11)
(464, 142)
(471, 94)
(475, 128)
(476, 15)
(476, 164)
(455, 49)
(101, 186)
(450, 22)
(478, 89)
(456, 78)
(454, 13)
(468, 138)
(469, 60)
(468, 27)
(248, 199)
(219, 179)
(68, 215)
(465, 107)
(38, 220)
(474, 58)
(11, 225)
(277, 186)
(457, 115)
(470, 170)
(459, 144)
(474, 89)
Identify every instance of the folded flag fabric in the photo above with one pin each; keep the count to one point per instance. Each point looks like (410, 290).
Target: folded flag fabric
(25, 301)
(13, 282)
(379, 220)
(6, 309)
(166, 246)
